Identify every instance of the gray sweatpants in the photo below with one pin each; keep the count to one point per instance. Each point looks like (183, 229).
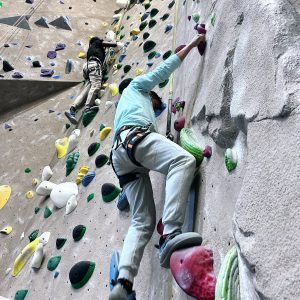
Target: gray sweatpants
(159, 154)
(92, 72)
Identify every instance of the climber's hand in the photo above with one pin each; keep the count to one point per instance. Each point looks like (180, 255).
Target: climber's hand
(197, 40)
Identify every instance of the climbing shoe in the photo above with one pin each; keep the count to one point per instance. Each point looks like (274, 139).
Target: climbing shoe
(71, 115)
(122, 291)
(175, 241)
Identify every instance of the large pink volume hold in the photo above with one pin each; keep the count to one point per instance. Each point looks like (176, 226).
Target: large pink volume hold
(192, 269)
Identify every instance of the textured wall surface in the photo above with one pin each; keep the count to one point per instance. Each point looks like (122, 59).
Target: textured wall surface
(242, 94)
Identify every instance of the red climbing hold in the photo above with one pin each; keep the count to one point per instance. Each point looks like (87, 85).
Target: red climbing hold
(201, 30)
(179, 123)
(160, 227)
(192, 269)
(179, 48)
(207, 152)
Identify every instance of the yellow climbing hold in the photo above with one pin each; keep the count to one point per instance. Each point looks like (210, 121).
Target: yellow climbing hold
(81, 173)
(91, 36)
(62, 147)
(116, 28)
(104, 133)
(139, 71)
(104, 86)
(111, 60)
(104, 24)
(114, 89)
(29, 195)
(5, 191)
(135, 31)
(35, 181)
(6, 230)
(82, 54)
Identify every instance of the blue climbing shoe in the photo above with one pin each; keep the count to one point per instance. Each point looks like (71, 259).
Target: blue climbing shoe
(71, 115)
(175, 241)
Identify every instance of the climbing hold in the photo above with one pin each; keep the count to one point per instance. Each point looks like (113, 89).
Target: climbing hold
(87, 179)
(171, 4)
(82, 55)
(109, 192)
(61, 146)
(149, 64)
(189, 18)
(197, 262)
(93, 148)
(114, 89)
(62, 22)
(56, 274)
(36, 64)
(36, 210)
(143, 25)
(38, 256)
(213, 19)
(104, 24)
(47, 173)
(60, 242)
(127, 68)
(90, 197)
(152, 23)
(73, 140)
(47, 212)
(80, 273)
(46, 72)
(17, 75)
(122, 57)
(202, 47)
(102, 126)
(200, 28)
(62, 192)
(167, 54)
(60, 46)
(33, 235)
(163, 84)
(71, 162)
(101, 160)
(78, 232)
(154, 12)
(207, 152)
(157, 55)
(82, 171)
(51, 54)
(43, 22)
(146, 35)
(179, 123)
(179, 48)
(230, 159)
(45, 188)
(27, 170)
(196, 17)
(17, 21)
(165, 17)
(139, 71)
(122, 36)
(168, 28)
(6, 230)
(53, 262)
(104, 133)
(89, 115)
(20, 294)
(190, 143)
(144, 16)
(135, 31)
(29, 194)
(122, 202)
(113, 268)
(69, 66)
(7, 67)
(108, 104)
(148, 46)
(71, 204)
(152, 55)
(160, 227)
(147, 5)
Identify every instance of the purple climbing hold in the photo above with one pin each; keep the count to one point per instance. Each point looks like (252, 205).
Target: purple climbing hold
(46, 72)
(168, 28)
(6, 45)
(207, 152)
(200, 28)
(201, 48)
(17, 75)
(7, 126)
(51, 54)
(60, 46)
(182, 104)
(28, 46)
(36, 64)
(56, 77)
(189, 18)
(51, 111)
(179, 123)
(29, 1)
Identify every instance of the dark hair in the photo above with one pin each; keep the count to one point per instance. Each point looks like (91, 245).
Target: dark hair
(124, 84)
(95, 39)
(155, 96)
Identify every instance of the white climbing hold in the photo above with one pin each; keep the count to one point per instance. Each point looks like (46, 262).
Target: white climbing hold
(47, 173)
(35, 181)
(45, 188)
(71, 204)
(117, 16)
(22, 236)
(97, 102)
(120, 45)
(108, 104)
(110, 36)
(38, 256)
(62, 193)
(44, 238)
(122, 3)
(73, 140)
(7, 271)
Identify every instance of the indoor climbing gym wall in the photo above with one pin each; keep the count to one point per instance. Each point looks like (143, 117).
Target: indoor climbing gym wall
(233, 104)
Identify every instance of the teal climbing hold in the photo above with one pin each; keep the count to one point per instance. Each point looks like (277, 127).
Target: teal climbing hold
(127, 68)
(80, 273)
(90, 197)
(143, 25)
(27, 170)
(154, 12)
(78, 232)
(147, 5)
(20, 294)
(89, 115)
(101, 160)
(47, 212)
(230, 159)
(163, 84)
(60, 242)
(109, 192)
(151, 55)
(148, 46)
(36, 210)
(196, 17)
(146, 35)
(152, 23)
(53, 262)
(93, 148)
(165, 17)
(167, 54)
(71, 162)
(33, 235)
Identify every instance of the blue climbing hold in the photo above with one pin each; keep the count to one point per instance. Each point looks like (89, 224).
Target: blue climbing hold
(122, 57)
(87, 179)
(157, 55)
(150, 64)
(168, 28)
(122, 202)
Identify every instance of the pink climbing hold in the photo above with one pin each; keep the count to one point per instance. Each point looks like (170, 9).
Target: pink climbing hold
(179, 123)
(192, 269)
(179, 48)
(160, 227)
(207, 152)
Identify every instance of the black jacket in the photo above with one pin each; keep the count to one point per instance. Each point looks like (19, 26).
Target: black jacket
(96, 49)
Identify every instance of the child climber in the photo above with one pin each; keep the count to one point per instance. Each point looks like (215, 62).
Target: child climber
(137, 149)
(92, 73)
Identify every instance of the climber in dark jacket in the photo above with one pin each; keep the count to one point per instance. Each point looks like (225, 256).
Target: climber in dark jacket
(92, 73)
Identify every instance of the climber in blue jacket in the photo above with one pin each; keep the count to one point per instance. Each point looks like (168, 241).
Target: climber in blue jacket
(137, 149)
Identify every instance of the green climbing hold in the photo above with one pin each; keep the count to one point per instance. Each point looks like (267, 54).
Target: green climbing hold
(151, 55)
(119, 66)
(128, 17)
(71, 162)
(122, 36)
(89, 115)
(90, 197)
(78, 232)
(163, 84)
(122, 27)
(167, 54)
(27, 170)
(146, 35)
(20, 294)
(33, 235)
(190, 143)
(230, 159)
(101, 160)
(47, 212)
(102, 126)
(165, 17)
(68, 125)
(80, 273)
(213, 20)
(127, 68)
(93, 148)
(109, 192)
(196, 17)
(36, 210)
(60, 242)
(143, 25)
(154, 12)
(53, 262)
(148, 46)
(152, 23)
(147, 6)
